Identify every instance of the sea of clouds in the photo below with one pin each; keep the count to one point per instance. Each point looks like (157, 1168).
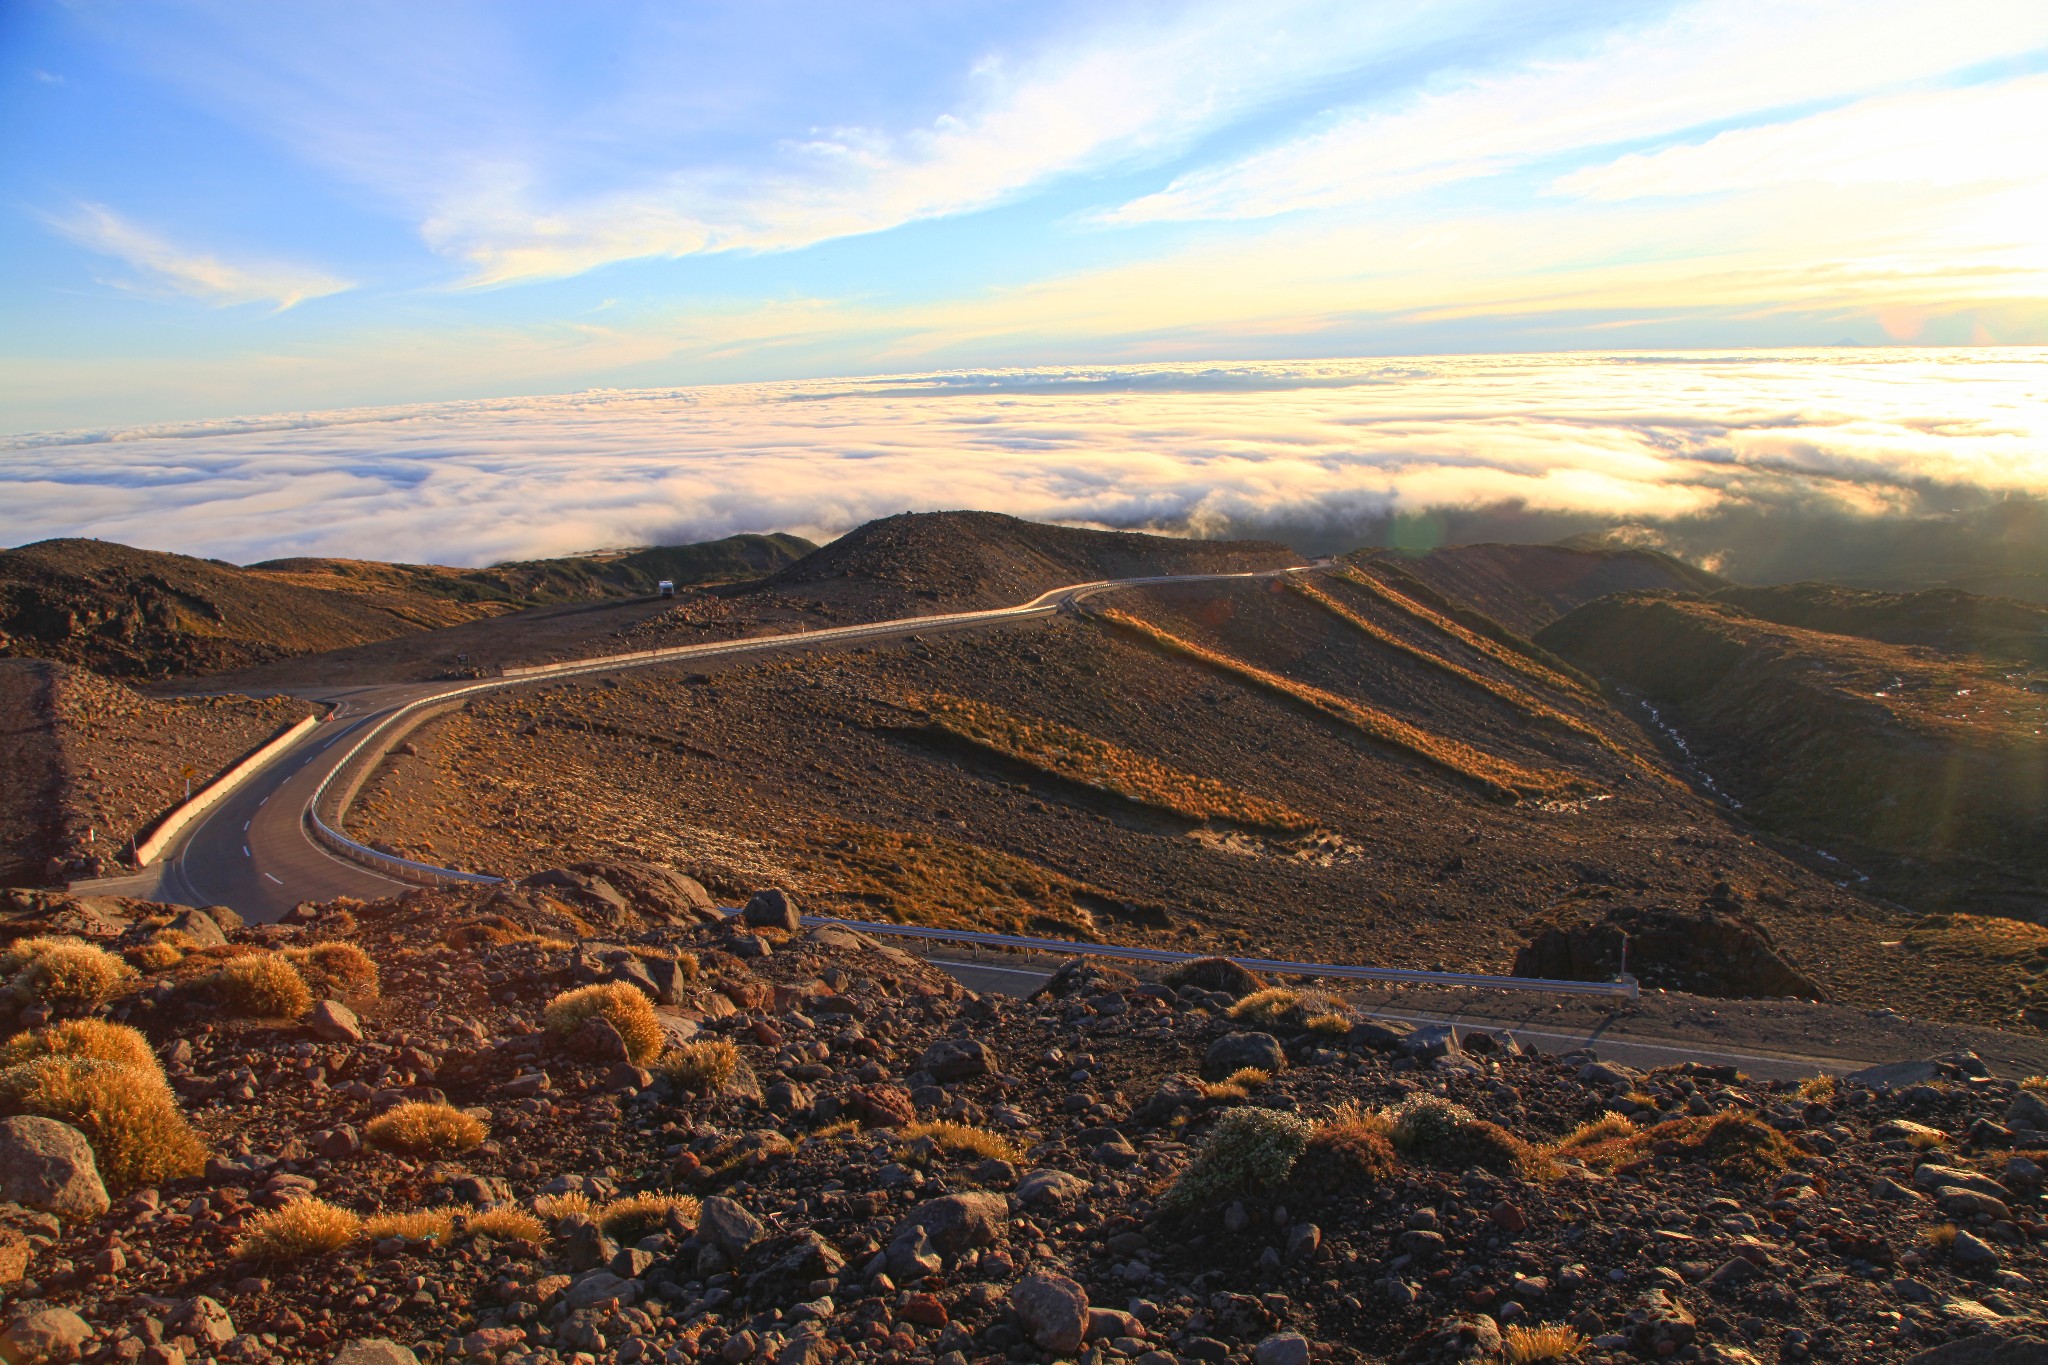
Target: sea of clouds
(1728, 457)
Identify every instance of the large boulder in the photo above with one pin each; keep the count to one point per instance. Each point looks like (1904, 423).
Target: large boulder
(1236, 1051)
(52, 1334)
(956, 1059)
(1216, 974)
(955, 1222)
(49, 1165)
(1709, 951)
(1986, 1350)
(624, 892)
(772, 909)
(1052, 1310)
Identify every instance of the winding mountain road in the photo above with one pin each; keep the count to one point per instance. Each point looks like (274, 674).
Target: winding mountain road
(254, 853)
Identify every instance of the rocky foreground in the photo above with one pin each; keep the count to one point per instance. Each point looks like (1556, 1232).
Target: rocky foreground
(592, 1119)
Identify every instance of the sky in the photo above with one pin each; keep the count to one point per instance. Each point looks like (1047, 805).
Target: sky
(216, 209)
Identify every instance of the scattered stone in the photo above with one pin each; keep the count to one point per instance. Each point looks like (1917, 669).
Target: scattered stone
(335, 1022)
(1236, 1051)
(49, 1334)
(49, 1165)
(1052, 1309)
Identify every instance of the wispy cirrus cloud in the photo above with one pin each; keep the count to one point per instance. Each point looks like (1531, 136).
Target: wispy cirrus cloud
(1711, 62)
(164, 268)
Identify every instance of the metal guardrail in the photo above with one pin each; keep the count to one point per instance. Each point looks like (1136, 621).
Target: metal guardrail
(1396, 975)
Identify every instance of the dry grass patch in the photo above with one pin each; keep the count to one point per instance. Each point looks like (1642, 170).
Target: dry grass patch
(306, 1227)
(1348, 1152)
(962, 1139)
(1497, 777)
(1817, 1089)
(1279, 1007)
(555, 1207)
(704, 1068)
(1504, 655)
(1601, 1145)
(629, 1219)
(69, 975)
(436, 1225)
(420, 1129)
(156, 956)
(1539, 1345)
(261, 986)
(84, 1038)
(139, 1136)
(618, 1004)
(1940, 1237)
(506, 1225)
(336, 969)
(1238, 1085)
(1079, 757)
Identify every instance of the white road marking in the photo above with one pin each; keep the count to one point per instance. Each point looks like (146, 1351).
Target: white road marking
(245, 827)
(278, 880)
(246, 853)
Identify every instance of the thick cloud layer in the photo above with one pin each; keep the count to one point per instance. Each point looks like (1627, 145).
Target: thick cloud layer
(1733, 458)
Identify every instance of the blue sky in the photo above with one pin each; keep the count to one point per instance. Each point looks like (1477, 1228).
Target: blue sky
(224, 208)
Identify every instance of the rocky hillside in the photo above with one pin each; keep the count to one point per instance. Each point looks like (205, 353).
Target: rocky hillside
(1941, 619)
(1526, 587)
(91, 764)
(1923, 767)
(588, 1118)
(929, 561)
(141, 613)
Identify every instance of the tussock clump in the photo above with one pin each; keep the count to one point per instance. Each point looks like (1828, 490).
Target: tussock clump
(84, 1038)
(1279, 1007)
(421, 1129)
(1736, 1146)
(436, 1225)
(642, 1215)
(1248, 1151)
(618, 1004)
(305, 1227)
(139, 1136)
(962, 1139)
(156, 956)
(1601, 1145)
(1819, 1089)
(1215, 974)
(705, 1068)
(1348, 1152)
(555, 1207)
(1238, 1085)
(1940, 1237)
(69, 975)
(1540, 1345)
(1425, 1123)
(507, 1225)
(336, 969)
(261, 986)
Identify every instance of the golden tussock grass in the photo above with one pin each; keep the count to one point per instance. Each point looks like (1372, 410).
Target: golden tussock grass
(837, 1129)
(1941, 1237)
(917, 878)
(436, 1225)
(307, 1227)
(507, 1225)
(1278, 1006)
(962, 1139)
(1471, 639)
(1527, 704)
(1602, 1144)
(420, 1129)
(84, 1038)
(704, 1067)
(555, 1207)
(1082, 758)
(156, 956)
(337, 969)
(1819, 1088)
(1238, 1085)
(67, 974)
(261, 986)
(1538, 1345)
(139, 1136)
(1497, 777)
(2038, 1084)
(629, 1219)
(618, 1004)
